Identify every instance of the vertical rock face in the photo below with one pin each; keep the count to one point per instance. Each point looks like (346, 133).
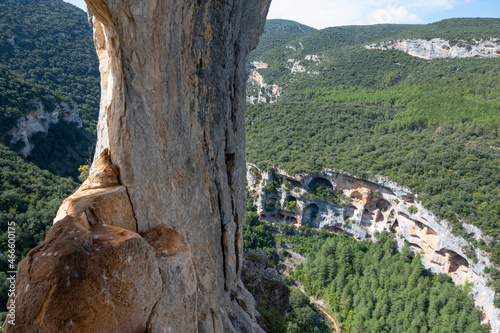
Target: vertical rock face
(172, 118)
(265, 284)
(172, 113)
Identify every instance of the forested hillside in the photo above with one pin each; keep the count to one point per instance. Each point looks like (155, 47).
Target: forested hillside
(277, 33)
(49, 42)
(372, 288)
(47, 54)
(457, 31)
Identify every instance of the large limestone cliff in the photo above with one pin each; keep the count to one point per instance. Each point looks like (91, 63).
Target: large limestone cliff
(39, 119)
(152, 241)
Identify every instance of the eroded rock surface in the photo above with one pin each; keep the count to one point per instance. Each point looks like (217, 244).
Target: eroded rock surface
(258, 90)
(264, 283)
(86, 278)
(100, 199)
(366, 207)
(170, 179)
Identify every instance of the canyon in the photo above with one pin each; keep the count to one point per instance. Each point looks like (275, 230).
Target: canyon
(152, 241)
(366, 207)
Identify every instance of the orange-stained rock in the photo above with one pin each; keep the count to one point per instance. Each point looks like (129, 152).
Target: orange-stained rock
(179, 282)
(97, 279)
(110, 206)
(100, 199)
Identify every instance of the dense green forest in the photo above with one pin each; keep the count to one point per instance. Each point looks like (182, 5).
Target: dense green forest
(373, 288)
(431, 126)
(370, 287)
(15, 94)
(49, 42)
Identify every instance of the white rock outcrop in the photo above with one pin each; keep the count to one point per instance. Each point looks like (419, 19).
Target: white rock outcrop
(39, 120)
(374, 206)
(440, 48)
(267, 93)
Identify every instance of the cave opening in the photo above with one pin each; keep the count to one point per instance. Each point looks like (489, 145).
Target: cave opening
(310, 216)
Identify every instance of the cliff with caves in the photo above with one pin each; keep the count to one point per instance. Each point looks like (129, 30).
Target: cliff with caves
(340, 202)
(151, 242)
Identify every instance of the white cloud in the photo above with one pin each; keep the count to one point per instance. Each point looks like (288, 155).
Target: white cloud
(392, 15)
(327, 13)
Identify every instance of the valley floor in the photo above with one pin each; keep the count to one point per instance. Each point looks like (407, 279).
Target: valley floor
(290, 264)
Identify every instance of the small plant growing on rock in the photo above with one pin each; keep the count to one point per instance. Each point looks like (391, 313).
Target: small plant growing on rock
(84, 172)
(291, 205)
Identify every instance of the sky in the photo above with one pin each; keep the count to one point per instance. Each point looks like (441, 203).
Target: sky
(328, 13)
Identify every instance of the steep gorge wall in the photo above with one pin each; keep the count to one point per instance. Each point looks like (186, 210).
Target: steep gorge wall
(368, 207)
(152, 241)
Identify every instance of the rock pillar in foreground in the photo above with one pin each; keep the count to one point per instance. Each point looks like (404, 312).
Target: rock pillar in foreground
(152, 242)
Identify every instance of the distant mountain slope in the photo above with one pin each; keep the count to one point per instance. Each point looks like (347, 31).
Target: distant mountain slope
(456, 30)
(336, 37)
(430, 125)
(334, 59)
